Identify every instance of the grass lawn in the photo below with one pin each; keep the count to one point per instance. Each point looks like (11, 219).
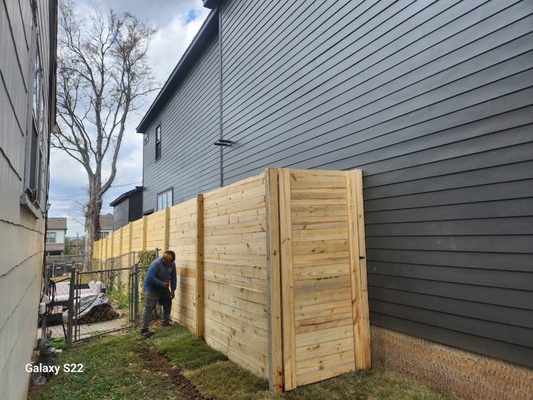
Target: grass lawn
(172, 364)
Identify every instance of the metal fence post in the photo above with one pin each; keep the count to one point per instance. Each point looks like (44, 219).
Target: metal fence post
(71, 306)
(135, 293)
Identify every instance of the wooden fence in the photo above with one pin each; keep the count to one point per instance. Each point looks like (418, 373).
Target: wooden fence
(271, 271)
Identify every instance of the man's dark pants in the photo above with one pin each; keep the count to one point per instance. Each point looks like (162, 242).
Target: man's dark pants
(150, 301)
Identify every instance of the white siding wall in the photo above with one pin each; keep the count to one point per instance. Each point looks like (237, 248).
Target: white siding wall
(60, 235)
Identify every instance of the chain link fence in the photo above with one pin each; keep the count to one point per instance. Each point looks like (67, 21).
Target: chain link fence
(80, 305)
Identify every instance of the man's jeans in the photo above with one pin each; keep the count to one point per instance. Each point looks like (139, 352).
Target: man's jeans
(150, 301)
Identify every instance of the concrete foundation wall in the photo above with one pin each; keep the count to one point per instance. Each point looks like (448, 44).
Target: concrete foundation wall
(465, 375)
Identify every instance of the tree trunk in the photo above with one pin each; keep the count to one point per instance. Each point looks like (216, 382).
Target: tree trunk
(92, 220)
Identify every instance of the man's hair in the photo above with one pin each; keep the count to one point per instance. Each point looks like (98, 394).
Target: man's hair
(171, 254)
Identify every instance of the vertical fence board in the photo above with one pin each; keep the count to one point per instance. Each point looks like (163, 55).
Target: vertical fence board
(200, 292)
(364, 338)
(274, 283)
(145, 235)
(355, 278)
(137, 235)
(289, 337)
(166, 228)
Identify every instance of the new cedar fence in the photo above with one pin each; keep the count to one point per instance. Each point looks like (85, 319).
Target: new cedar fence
(271, 271)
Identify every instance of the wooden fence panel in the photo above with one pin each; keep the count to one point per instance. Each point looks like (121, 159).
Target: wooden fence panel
(183, 235)
(117, 242)
(155, 230)
(325, 328)
(235, 273)
(271, 271)
(108, 250)
(126, 259)
(137, 235)
(96, 254)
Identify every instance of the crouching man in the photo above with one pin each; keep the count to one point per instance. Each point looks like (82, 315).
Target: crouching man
(160, 276)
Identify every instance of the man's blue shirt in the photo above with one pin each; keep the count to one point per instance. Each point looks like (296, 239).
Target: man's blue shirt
(157, 274)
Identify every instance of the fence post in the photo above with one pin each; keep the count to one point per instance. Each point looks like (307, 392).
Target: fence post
(135, 280)
(364, 354)
(167, 229)
(112, 238)
(71, 306)
(275, 352)
(200, 316)
(104, 258)
(145, 226)
(120, 238)
(130, 256)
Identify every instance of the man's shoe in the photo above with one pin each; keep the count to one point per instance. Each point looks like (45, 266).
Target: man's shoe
(146, 334)
(167, 323)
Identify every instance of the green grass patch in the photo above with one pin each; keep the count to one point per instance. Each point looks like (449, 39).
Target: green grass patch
(375, 384)
(60, 343)
(183, 349)
(116, 367)
(225, 380)
(112, 370)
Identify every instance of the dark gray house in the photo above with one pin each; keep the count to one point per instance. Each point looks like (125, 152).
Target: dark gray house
(127, 207)
(433, 100)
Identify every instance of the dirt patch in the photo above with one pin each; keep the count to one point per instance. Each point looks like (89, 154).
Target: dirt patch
(158, 362)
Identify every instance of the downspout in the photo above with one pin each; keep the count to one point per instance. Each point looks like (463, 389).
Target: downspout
(221, 130)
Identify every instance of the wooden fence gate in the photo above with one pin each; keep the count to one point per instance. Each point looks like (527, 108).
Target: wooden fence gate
(323, 275)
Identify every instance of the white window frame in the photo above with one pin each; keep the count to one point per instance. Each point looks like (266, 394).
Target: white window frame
(51, 237)
(164, 199)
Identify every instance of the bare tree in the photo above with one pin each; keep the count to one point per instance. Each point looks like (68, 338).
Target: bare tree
(102, 76)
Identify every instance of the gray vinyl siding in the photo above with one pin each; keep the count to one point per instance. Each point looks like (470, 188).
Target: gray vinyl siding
(434, 101)
(121, 213)
(190, 162)
(135, 206)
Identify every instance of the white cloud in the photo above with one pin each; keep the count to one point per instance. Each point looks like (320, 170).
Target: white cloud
(178, 21)
(171, 41)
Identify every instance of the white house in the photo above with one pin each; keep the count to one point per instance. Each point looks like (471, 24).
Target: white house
(55, 236)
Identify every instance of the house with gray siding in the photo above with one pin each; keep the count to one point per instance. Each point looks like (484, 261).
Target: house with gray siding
(28, 31)
(127, 207)
(433, 100)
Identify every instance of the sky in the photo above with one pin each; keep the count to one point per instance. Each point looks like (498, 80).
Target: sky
(178, 22)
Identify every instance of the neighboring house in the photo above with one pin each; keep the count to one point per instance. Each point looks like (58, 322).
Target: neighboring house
(27, 115)
(432, 100)
(56, 230)
(127, 207)
(75, 245)
(106, 226)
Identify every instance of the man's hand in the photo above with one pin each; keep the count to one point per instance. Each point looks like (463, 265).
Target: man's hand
(166, 285)
(172, 294)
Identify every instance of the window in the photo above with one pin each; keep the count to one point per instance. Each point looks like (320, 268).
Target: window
(51, 237)
(164, 200)
(158, 142)
(35, 145)
(103, 235)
